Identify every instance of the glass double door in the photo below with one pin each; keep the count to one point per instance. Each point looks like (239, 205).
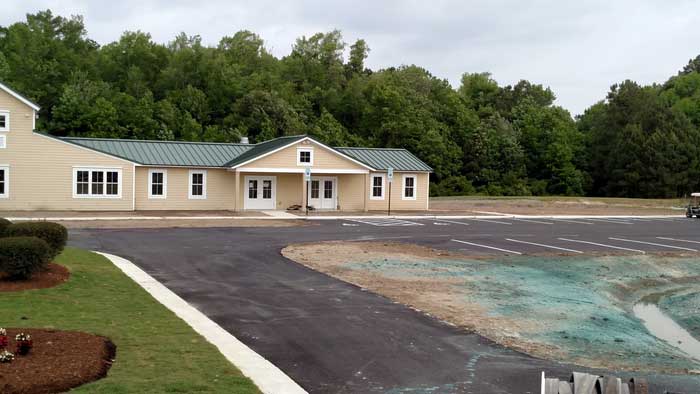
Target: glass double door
(323, 192)
(260, 192)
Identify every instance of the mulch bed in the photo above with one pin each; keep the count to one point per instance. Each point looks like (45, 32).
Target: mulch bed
(59, 361)
(53, 275)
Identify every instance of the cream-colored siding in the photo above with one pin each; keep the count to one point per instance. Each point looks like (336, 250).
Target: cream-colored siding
(220, 190)
(351, 195)
(41, 168)
(322, 159)
(397, 201)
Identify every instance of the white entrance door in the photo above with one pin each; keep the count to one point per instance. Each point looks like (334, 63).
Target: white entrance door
(260, 192)
(323, 192)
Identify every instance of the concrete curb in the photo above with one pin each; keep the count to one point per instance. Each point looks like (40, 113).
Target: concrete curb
(358, 217)
(268, 378)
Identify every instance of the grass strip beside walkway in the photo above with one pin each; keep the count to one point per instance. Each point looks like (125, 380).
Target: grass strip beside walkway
(156, 351)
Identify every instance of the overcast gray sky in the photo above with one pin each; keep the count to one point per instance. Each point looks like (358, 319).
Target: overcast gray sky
(578, 48)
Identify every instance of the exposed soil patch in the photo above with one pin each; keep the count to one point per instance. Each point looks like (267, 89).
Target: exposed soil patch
(59, 361)
(575, 309)
(53, 275)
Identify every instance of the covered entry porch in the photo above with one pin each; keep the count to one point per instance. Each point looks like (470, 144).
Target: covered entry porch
(325, 191)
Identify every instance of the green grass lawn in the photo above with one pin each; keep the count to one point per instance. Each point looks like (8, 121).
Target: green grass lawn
(156, 351)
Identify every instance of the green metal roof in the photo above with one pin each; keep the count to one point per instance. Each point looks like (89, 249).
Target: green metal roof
(211, 154)
(383, 158)
(261, 148)
(165, 153)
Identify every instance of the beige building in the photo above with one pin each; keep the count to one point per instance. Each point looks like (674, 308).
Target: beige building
(43, 172)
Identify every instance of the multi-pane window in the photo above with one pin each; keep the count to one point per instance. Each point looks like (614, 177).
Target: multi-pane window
(4, 177)
(97, 183)
(315, 184)
(327, 189)
(267, 189)
(253, 189)
(409, 187)
(197, 184)
(157, 183)
(305, 156)
(377, 187)
(4, 121)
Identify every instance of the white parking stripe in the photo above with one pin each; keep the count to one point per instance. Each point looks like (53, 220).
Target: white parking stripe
(652, 243)
(385, 222)
(544, 246)
(452, 221)
(603, 245)
(486, 246)
(609, 221)
(531, 221)
(679, 240)
(570, 221)
(490, 221)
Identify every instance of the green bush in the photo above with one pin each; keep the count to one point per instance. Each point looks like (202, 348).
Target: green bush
(3, 225)
(20, 257)
(53, 233)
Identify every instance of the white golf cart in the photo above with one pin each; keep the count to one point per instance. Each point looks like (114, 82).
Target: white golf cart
(693, 206)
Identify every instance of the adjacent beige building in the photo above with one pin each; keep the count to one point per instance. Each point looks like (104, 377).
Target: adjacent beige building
(42, 172)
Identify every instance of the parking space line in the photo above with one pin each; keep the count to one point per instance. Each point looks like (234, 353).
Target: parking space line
(385, 222)
(602, 245)
(609, 221)
(570, 221)
(452, 221)
(679, 240)
(652, 243)
(490, 221)
(531, 221)
(486, 246)
(543, 245)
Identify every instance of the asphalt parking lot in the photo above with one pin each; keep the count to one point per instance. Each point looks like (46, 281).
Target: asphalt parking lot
(333, 337)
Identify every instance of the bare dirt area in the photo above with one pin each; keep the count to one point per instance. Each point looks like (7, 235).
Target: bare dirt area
(578, 309)
(182, 223)
(53, 275)
(557, 206)
(58, 361)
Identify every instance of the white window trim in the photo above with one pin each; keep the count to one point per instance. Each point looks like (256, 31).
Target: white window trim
(7, 120)
(371, 186)
(150, 184)
(204, 185)
(97, 169)
(311, 153)
(403, 186)
(6, 168)
(3, 141)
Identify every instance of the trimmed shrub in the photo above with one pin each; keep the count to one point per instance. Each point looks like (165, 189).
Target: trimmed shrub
(20, 257)
(53, 233)
(3, 225)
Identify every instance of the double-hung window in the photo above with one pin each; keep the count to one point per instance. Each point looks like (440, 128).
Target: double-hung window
(157, 183)
(97, 183)
(409, 187)
(198, 185)
(4, 181)
(377, 187)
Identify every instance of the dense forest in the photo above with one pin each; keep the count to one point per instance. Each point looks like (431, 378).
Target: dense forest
(639, 141)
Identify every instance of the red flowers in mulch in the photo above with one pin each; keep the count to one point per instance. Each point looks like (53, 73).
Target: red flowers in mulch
(57, 361)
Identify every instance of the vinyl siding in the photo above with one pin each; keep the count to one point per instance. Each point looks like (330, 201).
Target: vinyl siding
(322, 159)
(41, 168)
(397, 202)
(351, 196)
(220, 190)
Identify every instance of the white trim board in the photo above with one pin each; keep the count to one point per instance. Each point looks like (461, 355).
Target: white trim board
(343, 155)
(301, 170)
(19, 97)
(268, 378)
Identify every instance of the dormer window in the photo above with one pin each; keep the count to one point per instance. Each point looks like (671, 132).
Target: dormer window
(4, 120)
(305, 157)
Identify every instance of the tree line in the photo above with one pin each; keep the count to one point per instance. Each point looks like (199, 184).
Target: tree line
(480, 138)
